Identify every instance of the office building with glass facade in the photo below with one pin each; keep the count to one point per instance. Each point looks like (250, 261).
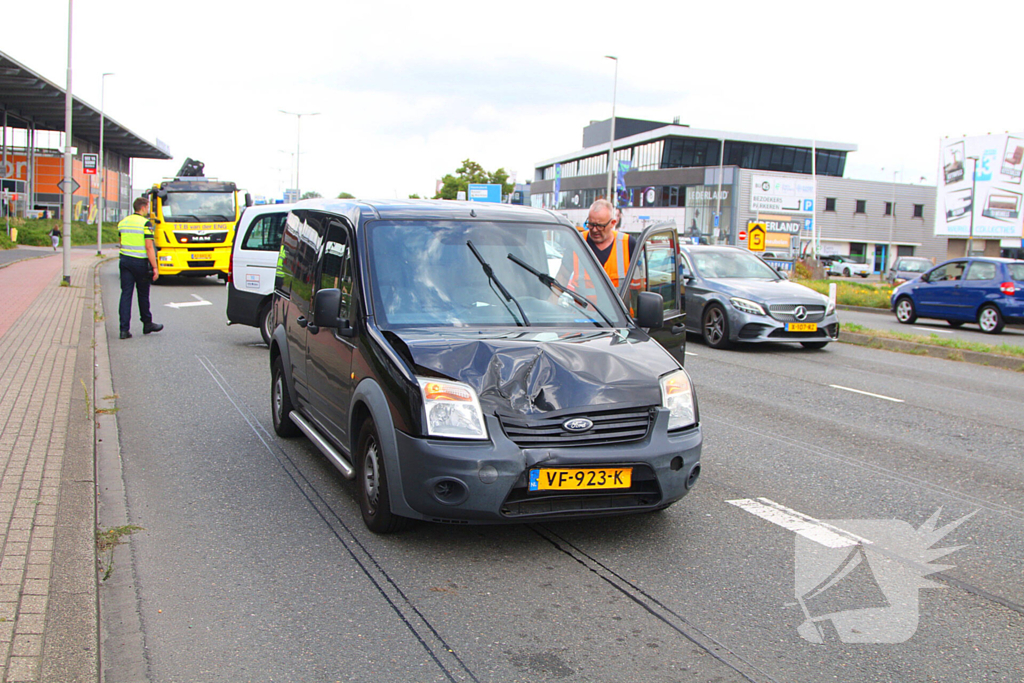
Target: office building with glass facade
(714, 184)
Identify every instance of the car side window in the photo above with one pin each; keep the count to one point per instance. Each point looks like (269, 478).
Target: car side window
(336, 263)
(947, 273)
(981, 270)
(265, 233)
(662, 272)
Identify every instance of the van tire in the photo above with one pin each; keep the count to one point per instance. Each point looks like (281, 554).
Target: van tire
(281, 402)
(264, 322)
(372, 484)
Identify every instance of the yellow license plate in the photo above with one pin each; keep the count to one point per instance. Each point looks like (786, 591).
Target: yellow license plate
(801, 327)
(200, 257)
(551, 479)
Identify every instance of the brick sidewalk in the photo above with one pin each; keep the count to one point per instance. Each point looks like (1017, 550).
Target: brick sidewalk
(40, 334)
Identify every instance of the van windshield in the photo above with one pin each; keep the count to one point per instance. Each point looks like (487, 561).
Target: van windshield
(424, 274)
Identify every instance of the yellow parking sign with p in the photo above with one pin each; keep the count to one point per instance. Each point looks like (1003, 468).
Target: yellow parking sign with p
(756, 235)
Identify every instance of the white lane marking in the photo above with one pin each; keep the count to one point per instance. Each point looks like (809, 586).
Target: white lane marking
(810, 528)
(868, 393)
(185, 304)
(689, 354)
(933, 329)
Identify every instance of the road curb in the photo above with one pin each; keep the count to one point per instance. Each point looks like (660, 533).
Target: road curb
(947, 353)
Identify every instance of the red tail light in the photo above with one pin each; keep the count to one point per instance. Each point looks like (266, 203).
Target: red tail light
(231, 264)
(1008, 288)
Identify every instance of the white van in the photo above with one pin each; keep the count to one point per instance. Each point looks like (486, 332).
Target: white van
(254, 264)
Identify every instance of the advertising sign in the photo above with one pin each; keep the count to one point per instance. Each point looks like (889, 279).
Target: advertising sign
(778, 193)
(90, 163)
(479, 192)
(992, 197)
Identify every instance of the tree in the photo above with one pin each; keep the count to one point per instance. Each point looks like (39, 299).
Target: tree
(415, 196)
(472, 172)
(312, 194)
(346, 195)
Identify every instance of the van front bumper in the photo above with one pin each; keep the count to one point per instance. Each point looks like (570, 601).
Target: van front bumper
(487, 481)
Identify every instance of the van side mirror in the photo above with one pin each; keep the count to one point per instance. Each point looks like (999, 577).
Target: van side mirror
(326, 305)
(248, 199)
(650, 310)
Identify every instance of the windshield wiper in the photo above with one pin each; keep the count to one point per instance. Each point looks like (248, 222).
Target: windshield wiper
(494, 280)
(551, 282)
(180, 218)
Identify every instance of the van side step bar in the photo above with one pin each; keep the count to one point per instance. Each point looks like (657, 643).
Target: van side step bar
(336, 458)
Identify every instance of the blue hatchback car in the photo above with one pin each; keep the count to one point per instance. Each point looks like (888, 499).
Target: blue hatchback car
(983, 290)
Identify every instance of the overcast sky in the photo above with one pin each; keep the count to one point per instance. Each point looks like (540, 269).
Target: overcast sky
(405, 91)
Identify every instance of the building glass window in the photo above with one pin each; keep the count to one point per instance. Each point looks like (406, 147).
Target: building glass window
(918, 210)
(888, 208)
(862, 206)
(830, 204)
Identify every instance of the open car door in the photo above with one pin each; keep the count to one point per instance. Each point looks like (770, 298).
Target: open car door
(654, 267)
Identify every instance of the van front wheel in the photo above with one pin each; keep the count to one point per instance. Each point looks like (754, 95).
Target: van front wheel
(372, 478)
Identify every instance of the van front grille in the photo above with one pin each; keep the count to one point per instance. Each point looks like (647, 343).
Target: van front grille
(610, 427)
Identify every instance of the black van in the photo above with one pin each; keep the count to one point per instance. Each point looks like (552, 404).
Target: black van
(429, 351)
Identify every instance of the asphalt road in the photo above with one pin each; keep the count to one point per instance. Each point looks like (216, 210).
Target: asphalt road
(254, 564)
(886, 320)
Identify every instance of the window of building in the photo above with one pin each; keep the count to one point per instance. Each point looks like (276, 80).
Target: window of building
(671, 196)
(830, 204)
(918, 210)
(862, 206)
(858, 249)
(888, 208)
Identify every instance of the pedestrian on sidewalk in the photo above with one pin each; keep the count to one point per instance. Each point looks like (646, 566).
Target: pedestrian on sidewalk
(138, 267)
(55, 236)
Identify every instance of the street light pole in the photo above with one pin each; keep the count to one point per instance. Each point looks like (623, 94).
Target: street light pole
(892, 225)
(66, 256)
(103, 189)
(298, 136)
(974, 200)
(611, 140)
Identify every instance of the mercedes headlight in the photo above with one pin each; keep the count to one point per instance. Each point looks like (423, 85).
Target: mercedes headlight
(747, 306)
(677, 396)
(453, 409)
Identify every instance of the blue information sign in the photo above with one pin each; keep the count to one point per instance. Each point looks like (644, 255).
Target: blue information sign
(478, 192)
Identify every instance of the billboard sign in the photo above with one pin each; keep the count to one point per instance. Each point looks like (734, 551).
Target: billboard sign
(479, 192)
(993, 198)
(90, 162)
(779, 193)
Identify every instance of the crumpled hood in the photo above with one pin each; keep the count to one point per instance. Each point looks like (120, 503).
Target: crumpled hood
(768, 290)
(528, 372)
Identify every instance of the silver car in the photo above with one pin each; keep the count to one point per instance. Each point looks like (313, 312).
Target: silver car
(734, 296)
(907, 268)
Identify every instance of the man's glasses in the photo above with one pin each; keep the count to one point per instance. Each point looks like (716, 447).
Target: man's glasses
(599, 226)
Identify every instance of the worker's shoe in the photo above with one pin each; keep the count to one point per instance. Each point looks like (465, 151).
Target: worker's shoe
(125, 334)
(151, 327)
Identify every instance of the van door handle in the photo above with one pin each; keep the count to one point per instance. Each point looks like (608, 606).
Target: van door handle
(301, 320)
(677, 329)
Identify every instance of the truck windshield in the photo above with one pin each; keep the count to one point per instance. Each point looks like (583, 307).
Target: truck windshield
(198, 207)
(424, 274)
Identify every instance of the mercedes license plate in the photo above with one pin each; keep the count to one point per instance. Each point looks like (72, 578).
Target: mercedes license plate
(801, 327)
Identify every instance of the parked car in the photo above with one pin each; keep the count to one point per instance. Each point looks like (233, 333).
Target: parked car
(988, 291)
(426, 350)
(253, 262)
(848, 266)
(733, 296)
(907, 268)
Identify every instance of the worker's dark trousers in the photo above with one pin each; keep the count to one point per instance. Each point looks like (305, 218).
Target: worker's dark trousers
(135, 274)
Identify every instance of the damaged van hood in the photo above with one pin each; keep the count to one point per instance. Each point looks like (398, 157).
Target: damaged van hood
(529, 371)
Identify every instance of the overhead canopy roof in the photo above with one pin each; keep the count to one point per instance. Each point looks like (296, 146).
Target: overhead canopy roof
(27, 96)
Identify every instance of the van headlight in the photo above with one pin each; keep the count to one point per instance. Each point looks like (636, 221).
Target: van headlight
(677, 396)
(452, 409)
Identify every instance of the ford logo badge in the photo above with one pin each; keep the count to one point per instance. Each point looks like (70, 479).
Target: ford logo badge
(577, 424)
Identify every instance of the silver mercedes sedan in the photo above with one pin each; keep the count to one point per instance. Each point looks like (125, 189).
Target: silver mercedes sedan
(733, 296)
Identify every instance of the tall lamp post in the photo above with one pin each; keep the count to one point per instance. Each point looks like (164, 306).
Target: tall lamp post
(298, 136)
(974, 200)
(103, 189)
(611, 140)
(66, 256)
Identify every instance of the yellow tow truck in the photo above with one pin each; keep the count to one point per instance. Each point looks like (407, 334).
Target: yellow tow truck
(194, 220)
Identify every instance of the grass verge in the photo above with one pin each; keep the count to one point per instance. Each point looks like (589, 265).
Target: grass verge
(853, 293)
(936, 340)
(35, 232)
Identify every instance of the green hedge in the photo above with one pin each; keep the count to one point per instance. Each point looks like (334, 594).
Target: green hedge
(35, 232)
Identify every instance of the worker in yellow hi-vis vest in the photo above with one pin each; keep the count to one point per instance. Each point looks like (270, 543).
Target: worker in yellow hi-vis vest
(138, 267)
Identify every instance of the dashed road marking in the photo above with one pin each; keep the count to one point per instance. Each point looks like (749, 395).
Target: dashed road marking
(804, 525)
(868, 393)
